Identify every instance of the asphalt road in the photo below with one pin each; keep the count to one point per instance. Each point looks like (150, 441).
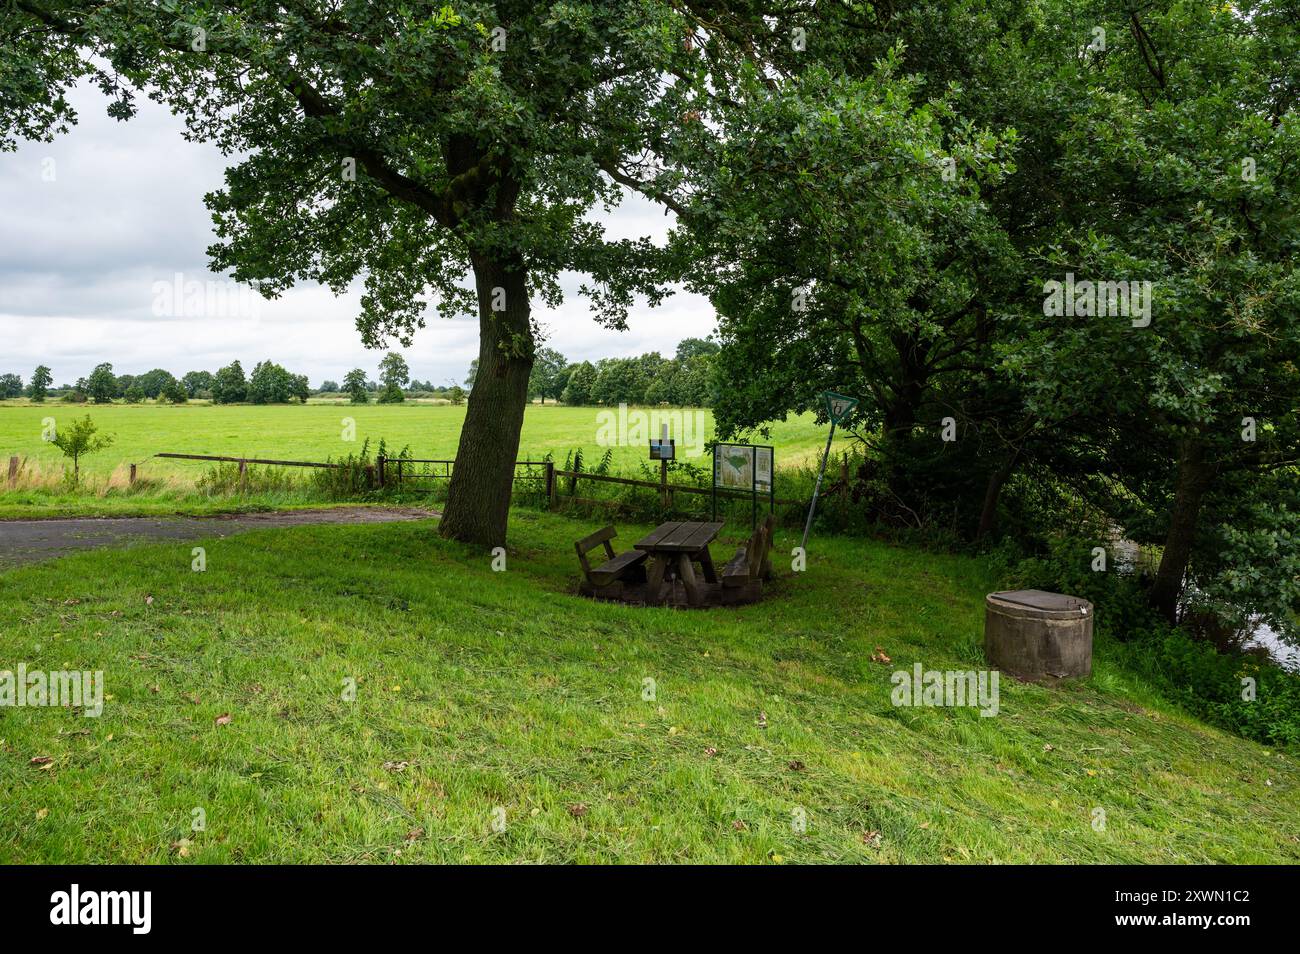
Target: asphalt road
(30, 541)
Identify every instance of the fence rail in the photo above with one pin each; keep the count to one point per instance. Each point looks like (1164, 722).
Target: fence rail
(662, 486)
(243, 462)
(388, 470)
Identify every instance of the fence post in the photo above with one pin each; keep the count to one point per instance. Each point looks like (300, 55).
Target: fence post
(243, 474)
(379, 468)
(550, 483)
(13, 471)
(663, 483)
(131, 479)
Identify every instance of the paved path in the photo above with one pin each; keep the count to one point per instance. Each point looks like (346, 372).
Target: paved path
(29, 541)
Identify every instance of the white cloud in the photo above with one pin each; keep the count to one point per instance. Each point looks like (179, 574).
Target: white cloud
(80, 254)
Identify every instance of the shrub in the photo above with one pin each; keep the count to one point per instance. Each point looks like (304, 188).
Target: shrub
(224, 480)
(78, 440)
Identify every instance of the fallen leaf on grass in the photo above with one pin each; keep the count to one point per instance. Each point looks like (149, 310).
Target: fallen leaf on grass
(396, 766)
(794, 765)
(1048, 747)
(223, 719)
(761, 722)
(710, 752)
(871, 838)
(415, 834)
(40, 760)
(148, 601)
(182, 847)
(578, 810)
(880, 656)
(42, 813)
(739, 825)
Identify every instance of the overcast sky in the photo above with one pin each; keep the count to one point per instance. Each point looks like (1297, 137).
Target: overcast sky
(90, 223)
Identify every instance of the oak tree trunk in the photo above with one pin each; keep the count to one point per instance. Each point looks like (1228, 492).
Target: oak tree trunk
(1191, 483)
(992, 492)
(478, 499)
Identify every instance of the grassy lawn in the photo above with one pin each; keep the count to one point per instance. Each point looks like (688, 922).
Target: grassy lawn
(481, 690)
(315, 432)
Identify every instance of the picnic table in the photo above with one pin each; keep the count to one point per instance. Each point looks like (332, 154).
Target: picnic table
(672, 547)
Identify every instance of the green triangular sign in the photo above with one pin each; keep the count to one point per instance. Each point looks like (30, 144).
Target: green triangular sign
(838, 406)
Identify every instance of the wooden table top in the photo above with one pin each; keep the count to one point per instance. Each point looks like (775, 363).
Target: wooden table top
(678, 536)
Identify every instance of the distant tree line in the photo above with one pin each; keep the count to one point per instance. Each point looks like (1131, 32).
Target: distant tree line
(269, 383)
(684, 380)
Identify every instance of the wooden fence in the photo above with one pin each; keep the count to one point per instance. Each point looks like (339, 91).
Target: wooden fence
(396, 470)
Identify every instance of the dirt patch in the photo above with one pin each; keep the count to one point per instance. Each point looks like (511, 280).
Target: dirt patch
(30, 541)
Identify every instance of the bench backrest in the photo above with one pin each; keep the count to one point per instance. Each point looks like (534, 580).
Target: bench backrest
(590, 542)
(760, 547)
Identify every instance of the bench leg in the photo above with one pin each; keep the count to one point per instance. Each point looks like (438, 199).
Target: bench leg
(687, 574)
(655, 578)
(706, 564)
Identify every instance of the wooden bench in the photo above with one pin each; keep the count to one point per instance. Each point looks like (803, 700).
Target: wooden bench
(617, 568)
(743, 575)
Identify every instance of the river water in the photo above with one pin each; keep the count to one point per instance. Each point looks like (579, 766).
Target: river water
(1127, 556)
(1288, 657)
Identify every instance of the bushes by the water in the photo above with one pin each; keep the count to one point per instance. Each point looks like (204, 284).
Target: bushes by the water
(1218, 686)
(1209, 683)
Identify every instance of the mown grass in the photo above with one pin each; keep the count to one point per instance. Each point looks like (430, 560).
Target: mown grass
(503, 690)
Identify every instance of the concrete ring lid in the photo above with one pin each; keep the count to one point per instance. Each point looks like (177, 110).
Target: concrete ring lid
(1040, 604)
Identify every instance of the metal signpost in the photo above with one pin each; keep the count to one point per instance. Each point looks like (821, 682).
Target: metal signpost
(838, 407)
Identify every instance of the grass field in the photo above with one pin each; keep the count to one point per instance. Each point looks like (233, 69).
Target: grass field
(316, 432)
(499, 696)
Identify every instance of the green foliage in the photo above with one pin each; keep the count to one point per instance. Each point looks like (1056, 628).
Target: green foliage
(11, 386)
(225, 480)
(582, 379)
(271, 384)
(354, 476)
(394, 376)
(354, 383)
(548, 378)
(1202, 679)
(173, 392)
(198, 383)
(154, 382)
(101, 386)
(78, 439)
(42, 378)
(229, 385)
(1212, 685)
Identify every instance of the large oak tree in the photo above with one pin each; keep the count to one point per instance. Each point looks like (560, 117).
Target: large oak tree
(444, 151)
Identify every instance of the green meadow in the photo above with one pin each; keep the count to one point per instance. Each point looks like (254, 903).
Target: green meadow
(317, 431)
(499, 717)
